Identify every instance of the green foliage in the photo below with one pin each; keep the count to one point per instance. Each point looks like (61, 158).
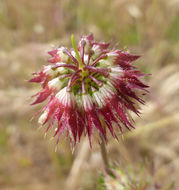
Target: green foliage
(130, 36)
(101, 183)
(3, 139)
(171, 186)
(130, 179)
(173, 31)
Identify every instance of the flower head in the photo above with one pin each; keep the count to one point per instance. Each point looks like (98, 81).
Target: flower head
(89, 87)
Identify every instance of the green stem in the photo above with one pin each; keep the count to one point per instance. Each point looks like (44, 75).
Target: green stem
(76, 51)
(105, 157)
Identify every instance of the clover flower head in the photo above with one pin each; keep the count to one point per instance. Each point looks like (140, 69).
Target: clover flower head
(90, 89)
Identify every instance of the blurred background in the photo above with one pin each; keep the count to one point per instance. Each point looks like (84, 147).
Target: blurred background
(28, 29)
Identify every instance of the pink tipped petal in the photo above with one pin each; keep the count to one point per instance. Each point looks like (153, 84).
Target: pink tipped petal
(37, 79)
(43, 95)
(72, 122)
(125, 65)
(90, 37)
(61, 130)
(81, 124)
(60, 119)
(108, 118)
(115, 103)
(53, 52)
(92, 116)
(102, 45)
(51, 123)
(135, 73)
(124, 56)
(51, 109)
(54, 59)
(93, 119)
(131, 94)
(128, 103)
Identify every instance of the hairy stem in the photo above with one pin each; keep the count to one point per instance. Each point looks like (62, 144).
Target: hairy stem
(105, 156)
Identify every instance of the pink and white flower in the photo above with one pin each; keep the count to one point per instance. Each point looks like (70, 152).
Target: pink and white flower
(89, 87)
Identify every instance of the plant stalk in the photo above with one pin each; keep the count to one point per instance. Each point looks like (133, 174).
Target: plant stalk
(105, 157)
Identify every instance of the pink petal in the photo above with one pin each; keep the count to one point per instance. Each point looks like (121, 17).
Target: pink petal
(93, 121)
(72, 121)
(43, 95)
(115, 103)
(81, 124)
(108, 118)
(38, 79)
(124, 56)
(55, 59)
(52, 106)
(61, 129)
(53, 52)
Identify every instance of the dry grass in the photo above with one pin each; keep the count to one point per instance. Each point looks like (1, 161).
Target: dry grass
(27, 30)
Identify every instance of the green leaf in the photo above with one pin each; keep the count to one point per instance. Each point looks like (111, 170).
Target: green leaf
(76, 50)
